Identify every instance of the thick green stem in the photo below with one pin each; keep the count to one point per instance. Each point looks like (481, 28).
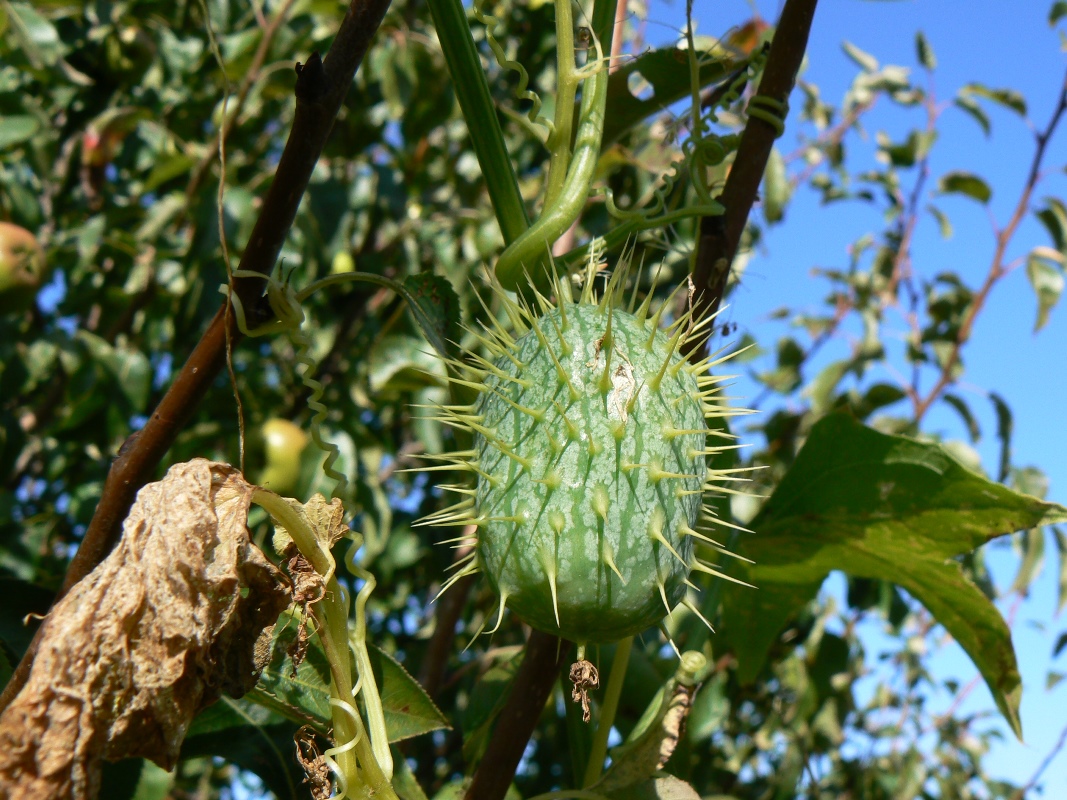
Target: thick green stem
(612, 693)
(472, 91)
(566, 86)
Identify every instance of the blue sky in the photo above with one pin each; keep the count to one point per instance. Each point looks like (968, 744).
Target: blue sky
(1001, 45)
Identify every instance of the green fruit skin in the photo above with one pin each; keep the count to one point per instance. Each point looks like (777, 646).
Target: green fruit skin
(580, 494)
(283, 444)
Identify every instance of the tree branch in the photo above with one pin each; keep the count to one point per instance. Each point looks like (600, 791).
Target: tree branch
(997, 268)
(533, 683)
(719, 236)
(321, 86)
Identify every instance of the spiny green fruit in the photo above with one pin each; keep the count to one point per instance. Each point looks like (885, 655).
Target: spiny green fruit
(589, 450)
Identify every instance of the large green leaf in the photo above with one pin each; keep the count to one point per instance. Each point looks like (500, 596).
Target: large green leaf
(889, 508)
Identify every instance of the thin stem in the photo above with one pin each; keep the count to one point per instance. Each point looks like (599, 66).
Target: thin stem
(997, 268)
(608, 707)
(364, 761)
(472, 91)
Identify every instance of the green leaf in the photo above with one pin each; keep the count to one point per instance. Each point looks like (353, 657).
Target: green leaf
(924, 52)
(305, 699)
(943, 221)
(39, 38)
(667, 71)
(409, 711)
(821, 389)
(16, 129)
(128, 367)
(965, 183)
(776, 187)
(970, 106)
(864, 60)
(1054, 217)
(965, 414)
(252, 737)
(1005, 425)
(666, 788)
(1032, 545)
(1055, 14)
(435, 306)
(1061, 552)
(1046, 279)
(1009, 98)
(485, 704)
(915, 148)
(653, 739)
(881, 507)
(402, 363)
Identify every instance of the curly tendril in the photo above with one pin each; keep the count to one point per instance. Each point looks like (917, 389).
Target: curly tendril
(522, 91)
(285, 303)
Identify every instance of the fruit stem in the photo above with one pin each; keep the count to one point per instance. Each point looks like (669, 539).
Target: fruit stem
(599, 749)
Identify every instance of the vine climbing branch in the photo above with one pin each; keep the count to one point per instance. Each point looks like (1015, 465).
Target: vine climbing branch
(321, 86)
(719, 236)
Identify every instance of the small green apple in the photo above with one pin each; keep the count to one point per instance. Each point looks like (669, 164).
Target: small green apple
(283, 444)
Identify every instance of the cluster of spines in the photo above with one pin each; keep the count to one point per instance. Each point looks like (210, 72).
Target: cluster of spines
(500, 343)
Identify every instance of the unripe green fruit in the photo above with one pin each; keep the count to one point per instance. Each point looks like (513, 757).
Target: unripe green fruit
(590, 445)
(283, 443)
(591, 485)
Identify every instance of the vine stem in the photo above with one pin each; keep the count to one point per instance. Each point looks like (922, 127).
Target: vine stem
(719, 236)
(321, 86)
(997, 268)
(599, 750)
(359, 755)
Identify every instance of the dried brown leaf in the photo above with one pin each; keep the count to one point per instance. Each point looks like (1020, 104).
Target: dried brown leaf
(180, 612)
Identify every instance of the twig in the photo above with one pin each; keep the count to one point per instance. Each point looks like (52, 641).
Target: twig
(253, 74)
(719, 236)
(533, 683)
(997, 268)
(1020, 793)
(321, 86)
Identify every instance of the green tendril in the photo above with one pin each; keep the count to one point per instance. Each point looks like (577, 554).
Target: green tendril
(521, 92)
(770, 110)
(314, 402)
(285, 303)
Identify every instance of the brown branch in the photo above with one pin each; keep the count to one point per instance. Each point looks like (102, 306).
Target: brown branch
(533, 684)
(321, 86)
(719, 236)
(997, 268)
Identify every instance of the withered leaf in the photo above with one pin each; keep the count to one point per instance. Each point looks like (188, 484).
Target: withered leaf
(180, 612)
(326, 520)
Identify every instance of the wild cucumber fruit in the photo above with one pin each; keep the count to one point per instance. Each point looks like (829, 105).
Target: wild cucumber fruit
(590, 442)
